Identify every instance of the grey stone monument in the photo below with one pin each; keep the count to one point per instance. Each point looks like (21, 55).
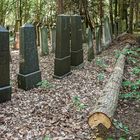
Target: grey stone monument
(62, 65)
(76, 41)
(90, 45)
(98, 40)
(106, 32)
(29, 73)
(5, 88)
(53, 39)
(44, 41)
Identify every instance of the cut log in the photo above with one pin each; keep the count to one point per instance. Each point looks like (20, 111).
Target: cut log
(100, 119)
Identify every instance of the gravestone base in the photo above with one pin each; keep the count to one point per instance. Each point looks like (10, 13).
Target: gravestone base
(29, 81)
(77, 58)
(90, 54)
(62, 67)
(106, 45)
(5, 94)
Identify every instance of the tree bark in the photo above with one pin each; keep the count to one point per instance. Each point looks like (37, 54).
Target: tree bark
(60, 8)
(100, 118)
(131, 17)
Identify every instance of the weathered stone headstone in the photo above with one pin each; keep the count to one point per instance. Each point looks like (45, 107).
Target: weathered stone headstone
(62, 66)
(84, 38)
(98, 40)
(44, 41)
(5, 88)
(76, 41)
(29, 73)
(53, 39)
(90, 45)
(106, 32)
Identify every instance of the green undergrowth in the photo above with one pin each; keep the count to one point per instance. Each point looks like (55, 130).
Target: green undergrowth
(45, 84)
(100, 62)
(131, 86)
(130, 90)
(78, 103)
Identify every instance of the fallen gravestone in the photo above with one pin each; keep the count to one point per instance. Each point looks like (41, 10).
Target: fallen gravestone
(5, 88)
(29, 73)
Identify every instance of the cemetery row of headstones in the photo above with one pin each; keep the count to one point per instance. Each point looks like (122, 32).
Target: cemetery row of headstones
(103, 38)
(68, 52)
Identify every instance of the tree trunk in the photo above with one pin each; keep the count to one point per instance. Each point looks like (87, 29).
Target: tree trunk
(60, 9)
(131, 17)
(111, 15)
(100, 118)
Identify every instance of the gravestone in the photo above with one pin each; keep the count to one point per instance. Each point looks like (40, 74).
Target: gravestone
(106, 32)
(62, 52)
(76, 41)
(53, 39)
(29, 73)
(5, 88)
(98, 40)
(90, 45)
(44, 41)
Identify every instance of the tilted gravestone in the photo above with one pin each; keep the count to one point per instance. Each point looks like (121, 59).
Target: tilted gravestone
(98, 40)
(53, 39)
(76, 41)
(29, 73)
(90, 45)
(62, 52)
(5, 88)
(44, 41)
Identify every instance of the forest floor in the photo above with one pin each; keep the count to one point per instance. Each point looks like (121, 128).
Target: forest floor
(58, 109)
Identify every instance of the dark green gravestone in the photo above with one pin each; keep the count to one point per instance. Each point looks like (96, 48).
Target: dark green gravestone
(98, 40)
(5, 88)
(62, 66)
(76, 41)
(44, 41)
(90, 45)
(29, 73)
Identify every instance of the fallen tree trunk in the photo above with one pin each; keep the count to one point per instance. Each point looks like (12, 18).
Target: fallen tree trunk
(100, 119)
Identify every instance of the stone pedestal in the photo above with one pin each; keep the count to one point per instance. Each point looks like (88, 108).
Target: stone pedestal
(5, 88)
(62, 52)
(76, 41)
(29, 73)
(44, 41)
